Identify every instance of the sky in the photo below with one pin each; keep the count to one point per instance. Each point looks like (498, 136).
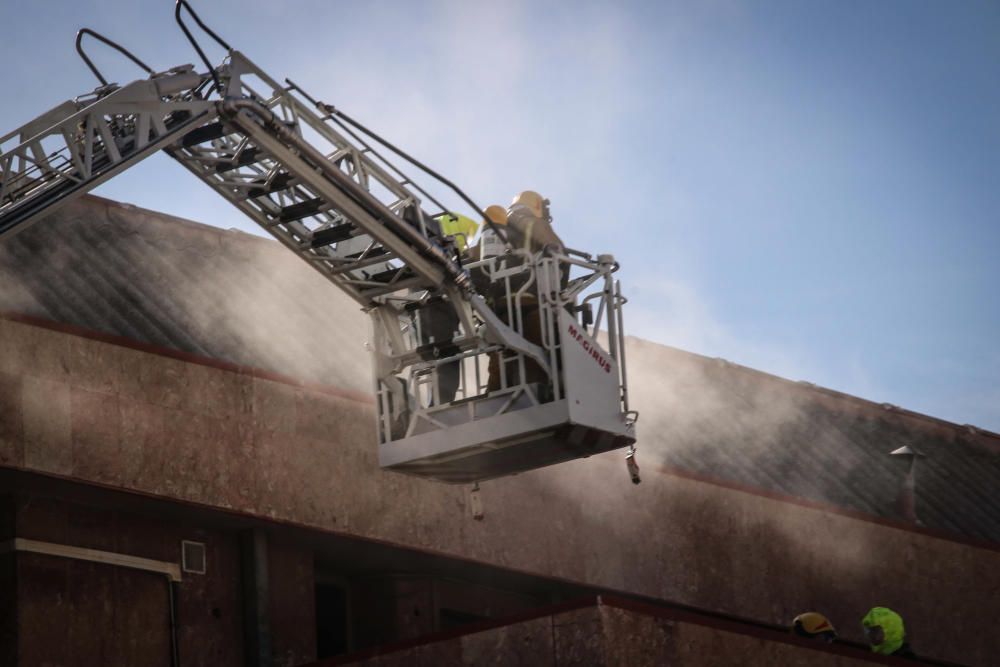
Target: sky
(811, 189)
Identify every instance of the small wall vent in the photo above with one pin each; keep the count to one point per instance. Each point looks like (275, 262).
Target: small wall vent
(193, 557)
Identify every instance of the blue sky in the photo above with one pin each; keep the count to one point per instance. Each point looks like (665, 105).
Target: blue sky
(806, 188)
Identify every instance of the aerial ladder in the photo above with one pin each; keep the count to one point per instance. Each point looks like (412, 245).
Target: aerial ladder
(314, 179)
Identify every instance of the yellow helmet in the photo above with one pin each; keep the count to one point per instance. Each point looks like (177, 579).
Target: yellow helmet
(813, 624)
(533, 201)
(496, 214)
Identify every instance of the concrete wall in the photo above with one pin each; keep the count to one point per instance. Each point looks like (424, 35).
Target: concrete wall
(107, 414)
(605, 634)
(400, 607)
(8, 585)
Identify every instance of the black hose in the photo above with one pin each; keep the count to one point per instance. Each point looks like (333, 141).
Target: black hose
(231, 107)
(114, 45)
(468, 200)
(211, 70)
(333, 111)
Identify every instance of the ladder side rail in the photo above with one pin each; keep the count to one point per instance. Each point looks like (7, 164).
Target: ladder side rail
(283, 105)
(33, 158)
(281, 233)
(332, 190)
(241, 66)
(213, 164)
(367, 211)
(332, 117)
(367, 169)
(93, 143)
(376, 155)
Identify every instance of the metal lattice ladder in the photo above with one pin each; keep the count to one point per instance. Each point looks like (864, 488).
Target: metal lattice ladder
(288, 163)
(322, 197)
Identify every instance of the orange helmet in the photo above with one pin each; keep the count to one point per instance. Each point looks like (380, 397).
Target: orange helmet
(813, 624)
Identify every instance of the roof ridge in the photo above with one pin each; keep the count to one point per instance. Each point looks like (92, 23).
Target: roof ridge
(194, 225)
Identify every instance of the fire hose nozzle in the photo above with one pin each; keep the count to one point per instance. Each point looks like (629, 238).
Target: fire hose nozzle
(632, 466)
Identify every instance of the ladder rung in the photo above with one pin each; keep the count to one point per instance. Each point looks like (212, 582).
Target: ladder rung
(388, 275)
(373, 253)
(249, 156)
(203, 134)
(279, 182)
(331, 235)
(301, 210)
(416, 305)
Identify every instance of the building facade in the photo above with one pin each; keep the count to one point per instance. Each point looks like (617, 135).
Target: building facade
(188, 476)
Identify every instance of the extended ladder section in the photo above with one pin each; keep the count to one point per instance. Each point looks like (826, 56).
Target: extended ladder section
(322, 197)
(473, 374)
(81, 143)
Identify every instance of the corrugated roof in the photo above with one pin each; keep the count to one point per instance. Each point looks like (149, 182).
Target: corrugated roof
(156, 279)
(725, 421)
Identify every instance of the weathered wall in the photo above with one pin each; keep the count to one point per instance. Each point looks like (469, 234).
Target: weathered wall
(292, 594)
(608, 635)
(115, 615)
(71, 612)
(392, 608)
(8, 585)
(105, 413)
(77, 613)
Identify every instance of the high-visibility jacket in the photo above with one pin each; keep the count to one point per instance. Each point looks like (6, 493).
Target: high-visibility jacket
(459, 227)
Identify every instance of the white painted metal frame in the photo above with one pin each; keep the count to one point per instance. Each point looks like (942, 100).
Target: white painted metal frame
(357, 222)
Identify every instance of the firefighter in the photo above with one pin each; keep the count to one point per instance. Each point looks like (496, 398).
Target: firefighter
(438, 320)
(813, 625)
(885, 632)
(527, 224)
(490, 243)
(459, 228)
(530, 223)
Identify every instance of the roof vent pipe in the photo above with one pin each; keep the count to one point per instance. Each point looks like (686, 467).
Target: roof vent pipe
(908, 489)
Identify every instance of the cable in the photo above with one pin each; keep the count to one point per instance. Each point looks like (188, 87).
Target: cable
(333, 111)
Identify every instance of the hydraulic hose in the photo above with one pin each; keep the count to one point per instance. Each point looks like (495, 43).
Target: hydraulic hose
(337, 114)
(232, 107)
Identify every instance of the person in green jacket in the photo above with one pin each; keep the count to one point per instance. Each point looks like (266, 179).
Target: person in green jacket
(885, 632)
(458, 227)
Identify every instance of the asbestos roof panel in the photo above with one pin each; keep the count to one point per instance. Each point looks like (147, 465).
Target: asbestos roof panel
(162, 280)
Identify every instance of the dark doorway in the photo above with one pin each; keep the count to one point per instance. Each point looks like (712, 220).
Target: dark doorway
(331, 620)
(452, 618)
